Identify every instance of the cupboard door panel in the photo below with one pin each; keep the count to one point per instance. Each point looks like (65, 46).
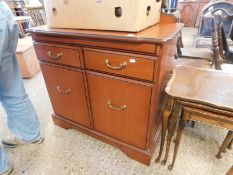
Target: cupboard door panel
(67, 93)
(120, 109)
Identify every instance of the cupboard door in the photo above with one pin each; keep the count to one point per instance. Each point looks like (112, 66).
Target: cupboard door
(67, 93)
(120, 109)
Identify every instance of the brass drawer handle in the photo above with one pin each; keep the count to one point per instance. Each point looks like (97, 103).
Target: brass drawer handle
(66, 91)
(122, 65)
(121, 108)
(57, 57)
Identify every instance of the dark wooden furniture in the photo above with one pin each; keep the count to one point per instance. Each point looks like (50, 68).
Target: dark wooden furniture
(175, 105)
(172, 114)
(227, 144)
(206, 103)
(225, 51)
(224, 11)
(230, 145)
(195, 57)
(222, 55)
(109, 84)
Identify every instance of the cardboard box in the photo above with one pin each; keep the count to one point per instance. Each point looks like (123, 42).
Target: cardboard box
(119, 15)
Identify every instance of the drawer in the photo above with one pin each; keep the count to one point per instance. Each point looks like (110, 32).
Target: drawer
(67, 93)
(120, 109)
(131, 65)
(58, 54)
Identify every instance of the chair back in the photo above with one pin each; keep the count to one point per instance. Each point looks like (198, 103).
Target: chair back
(207, 20)
(224, 50)
(216, 54)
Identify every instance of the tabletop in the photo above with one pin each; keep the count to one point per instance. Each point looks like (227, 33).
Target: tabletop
(205, 86)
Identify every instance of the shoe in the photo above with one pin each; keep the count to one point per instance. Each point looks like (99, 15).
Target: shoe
(14, 142)
(9, 171)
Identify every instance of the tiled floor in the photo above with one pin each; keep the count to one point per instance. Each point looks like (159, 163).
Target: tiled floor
(68, 152)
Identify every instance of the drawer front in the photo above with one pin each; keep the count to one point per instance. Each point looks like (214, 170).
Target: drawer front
(67, 93)
(120, 109)
(122, 64)
(58, 54)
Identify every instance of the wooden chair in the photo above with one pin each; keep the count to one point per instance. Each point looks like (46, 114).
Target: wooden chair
(204, 32)
(192, 53)
(221, 41)
(196, 57)
(223, 56)
(225, 51)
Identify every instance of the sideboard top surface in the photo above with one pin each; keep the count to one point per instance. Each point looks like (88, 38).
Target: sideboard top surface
(158, 33)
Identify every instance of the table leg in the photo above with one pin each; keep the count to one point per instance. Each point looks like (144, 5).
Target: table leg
(171, 129)
(193, 124)
(225, 144)
(182, 124)
(230, 145)
(166, 116)
(230, 172)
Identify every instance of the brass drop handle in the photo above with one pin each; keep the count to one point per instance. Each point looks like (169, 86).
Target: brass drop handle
(121, 108)
(66, 91)
(56, 57)
(122, 65)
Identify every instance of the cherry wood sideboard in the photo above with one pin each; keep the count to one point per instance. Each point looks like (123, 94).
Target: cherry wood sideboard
(109, 85)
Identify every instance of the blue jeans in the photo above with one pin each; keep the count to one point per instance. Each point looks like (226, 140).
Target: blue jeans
(22, 119)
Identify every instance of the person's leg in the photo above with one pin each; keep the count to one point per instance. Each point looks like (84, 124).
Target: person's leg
(22, 119)
(5, 167)
(4, 33)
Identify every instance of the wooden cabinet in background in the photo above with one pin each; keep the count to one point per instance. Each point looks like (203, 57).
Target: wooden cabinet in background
(190, 11)
(26, 57)
(109, 85)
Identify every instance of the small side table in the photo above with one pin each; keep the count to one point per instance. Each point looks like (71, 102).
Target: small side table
(197, 95)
